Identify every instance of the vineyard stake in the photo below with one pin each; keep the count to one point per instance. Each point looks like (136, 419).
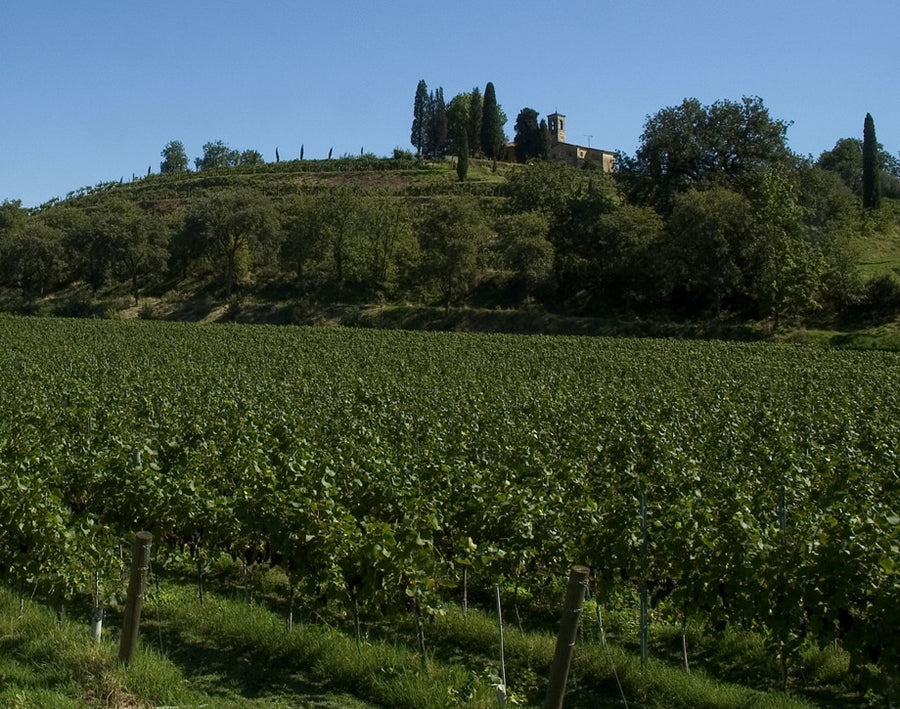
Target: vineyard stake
(612, 664)
(199, 576)
(565, 641)
(466, 594)
(501, 690)
(140, 562)
(289, 621)
(643, 620)
(420, 635)
(97, 614)
(782, 523)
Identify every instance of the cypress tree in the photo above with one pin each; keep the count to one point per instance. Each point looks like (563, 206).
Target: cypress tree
(438, 116)
(545, 140)
(870, 177)
(528, 135)
(462, 163)
(492, 137)
(474, 126)
(420, 117)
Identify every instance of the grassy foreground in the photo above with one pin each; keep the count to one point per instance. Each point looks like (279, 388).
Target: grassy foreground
(228, 653)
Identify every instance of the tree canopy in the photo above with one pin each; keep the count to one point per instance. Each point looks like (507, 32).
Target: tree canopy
(174, 158)
(528, 135)
(420, 117)
(234, 226)
(692, 145)
(217, 154)
(492, 121)
(871, 183)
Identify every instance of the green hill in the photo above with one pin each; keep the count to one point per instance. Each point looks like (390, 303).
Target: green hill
(401, 242)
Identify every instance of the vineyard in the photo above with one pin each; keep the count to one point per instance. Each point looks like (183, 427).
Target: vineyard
(746, 485)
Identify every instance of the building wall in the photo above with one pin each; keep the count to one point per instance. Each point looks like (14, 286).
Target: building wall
(576, 155)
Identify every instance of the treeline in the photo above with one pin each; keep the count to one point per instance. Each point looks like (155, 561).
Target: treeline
(471, 124)
(713, 217)
(218, 154)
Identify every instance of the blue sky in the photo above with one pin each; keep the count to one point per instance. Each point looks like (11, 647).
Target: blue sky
(94, 89)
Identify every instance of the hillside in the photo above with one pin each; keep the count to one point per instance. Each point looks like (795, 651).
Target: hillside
(402, 177)
(402, 242)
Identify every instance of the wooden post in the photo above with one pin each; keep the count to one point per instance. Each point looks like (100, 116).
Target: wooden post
(565, 641)
(140, 562)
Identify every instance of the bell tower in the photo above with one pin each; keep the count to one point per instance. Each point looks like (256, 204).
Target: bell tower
(556, 124)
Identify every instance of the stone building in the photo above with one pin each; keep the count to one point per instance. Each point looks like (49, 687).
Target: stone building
(571, 154)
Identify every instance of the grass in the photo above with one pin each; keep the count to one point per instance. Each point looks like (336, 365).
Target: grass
(879, 246)
(227, 652)
(49, 665)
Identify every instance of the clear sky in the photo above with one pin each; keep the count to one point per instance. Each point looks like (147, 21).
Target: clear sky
(92, 90)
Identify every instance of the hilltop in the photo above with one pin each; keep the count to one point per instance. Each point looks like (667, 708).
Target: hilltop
(749, 248)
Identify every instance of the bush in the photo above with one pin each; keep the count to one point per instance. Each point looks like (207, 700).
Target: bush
(880, 299)
(78, 305)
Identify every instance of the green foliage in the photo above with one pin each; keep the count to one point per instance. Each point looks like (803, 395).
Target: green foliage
(250, 157)
(545, 140)
(360, 480)
(871, 169)
(347, 237)
(236, 229)
(217, 154)
(492, 121)
(788, 284)
(458, 120)
(462, 158)
(453, 238)
(845, 159)
(373, 466)
(604, 256)
(692, 145)
(529, 143)
(138, 242)
(420, 121)
(526, 252)
(32, 257)
(546, 188)
(473, 127)
(630, 266)
(430, 128)
(12, 215)
(711, 236)
(174, 158)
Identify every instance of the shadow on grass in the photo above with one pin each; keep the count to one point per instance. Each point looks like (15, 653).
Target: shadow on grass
(233, 673)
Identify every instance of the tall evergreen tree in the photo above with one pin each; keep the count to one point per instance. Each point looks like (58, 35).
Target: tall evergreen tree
(420, 117)
(438, 123)
(545, 140)
(474, 127)
(528, 135)
(870, 176)
(462, 164)
(492, 136)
